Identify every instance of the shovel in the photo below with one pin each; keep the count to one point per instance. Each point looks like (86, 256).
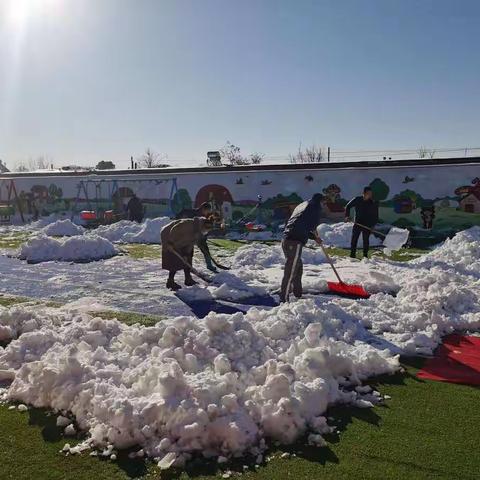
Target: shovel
(342, 288)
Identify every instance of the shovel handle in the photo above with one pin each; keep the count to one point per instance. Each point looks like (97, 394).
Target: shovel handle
(330, 261)
(371, 229)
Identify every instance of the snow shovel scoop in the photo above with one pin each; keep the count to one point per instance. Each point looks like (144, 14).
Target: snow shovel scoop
(394, 240)
(342, 288)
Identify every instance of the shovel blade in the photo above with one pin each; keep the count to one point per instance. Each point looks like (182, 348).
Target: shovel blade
(353, 291)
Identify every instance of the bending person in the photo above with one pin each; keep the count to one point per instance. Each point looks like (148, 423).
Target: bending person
(300, 227)
(366, 215)
(204, 210)
(179, 238)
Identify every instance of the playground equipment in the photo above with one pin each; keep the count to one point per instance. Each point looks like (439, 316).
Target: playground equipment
(104, 198)
(6, 207)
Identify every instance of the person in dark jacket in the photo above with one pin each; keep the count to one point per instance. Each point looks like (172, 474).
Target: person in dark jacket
(366, 215)
(300, 227)
(204, 210)
(135, 209)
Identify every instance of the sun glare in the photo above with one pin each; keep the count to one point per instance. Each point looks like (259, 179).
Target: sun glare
(19, 12)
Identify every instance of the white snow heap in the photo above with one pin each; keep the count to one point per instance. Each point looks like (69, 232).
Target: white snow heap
(63, 228)
(81, 248)
(340, 235)
(215, 386)
(220, 385)
(132, 232)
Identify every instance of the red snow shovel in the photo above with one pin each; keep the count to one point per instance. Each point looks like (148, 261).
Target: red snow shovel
(342, 288)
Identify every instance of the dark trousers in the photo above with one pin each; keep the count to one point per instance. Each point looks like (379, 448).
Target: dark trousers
(357, 230)
(292, 275)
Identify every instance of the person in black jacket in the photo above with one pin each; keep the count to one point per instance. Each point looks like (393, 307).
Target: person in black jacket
(135, 209)
(204, 210)
(300, 227)
(366, 215)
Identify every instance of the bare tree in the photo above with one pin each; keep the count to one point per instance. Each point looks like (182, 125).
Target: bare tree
(152, 159)
(233, 155)
(256, 158)
(424, 152)
(43, 162)
(3, 167)
(311, 154)
(21, 167)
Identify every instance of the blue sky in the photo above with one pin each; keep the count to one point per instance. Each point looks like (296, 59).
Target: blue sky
(86, 80)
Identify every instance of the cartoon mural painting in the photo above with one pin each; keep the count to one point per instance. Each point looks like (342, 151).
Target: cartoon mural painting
(215, 194)
(428, 215)
(444, 198)
(470, 197)
(333, 205)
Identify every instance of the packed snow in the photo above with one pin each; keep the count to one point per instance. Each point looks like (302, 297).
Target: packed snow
(63, 228)
(340, 234)
(80, 248)
(222, 385)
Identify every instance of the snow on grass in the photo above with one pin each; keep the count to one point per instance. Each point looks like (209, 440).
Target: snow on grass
(221, 385)
(80, 248)
(216, 386)
(63, 228)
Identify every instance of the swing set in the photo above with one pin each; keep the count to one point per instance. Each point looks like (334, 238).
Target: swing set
(6, 208)
(104, 201)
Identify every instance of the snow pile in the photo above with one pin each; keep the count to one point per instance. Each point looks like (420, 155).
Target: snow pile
(81, 248)
(461, 252)
(340, 235)
(150, 231)
(225, 286)
(217, 386)
(258, 256)
(63, 228)
(132, 232)
(117, 231)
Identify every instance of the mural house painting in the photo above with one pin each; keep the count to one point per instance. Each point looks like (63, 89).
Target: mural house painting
(432, 197)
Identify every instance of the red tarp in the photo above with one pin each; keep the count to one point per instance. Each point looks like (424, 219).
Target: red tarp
(457, 360)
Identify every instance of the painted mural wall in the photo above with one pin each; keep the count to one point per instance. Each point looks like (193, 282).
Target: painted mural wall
(435, 199)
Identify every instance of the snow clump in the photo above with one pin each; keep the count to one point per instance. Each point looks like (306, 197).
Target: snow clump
(63, 228)
(81, 248)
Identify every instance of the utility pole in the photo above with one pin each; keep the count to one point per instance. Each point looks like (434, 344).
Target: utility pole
(328, 155)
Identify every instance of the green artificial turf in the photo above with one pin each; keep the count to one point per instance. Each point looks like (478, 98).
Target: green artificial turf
(427, 430)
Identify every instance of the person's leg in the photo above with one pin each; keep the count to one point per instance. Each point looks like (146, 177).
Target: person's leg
(189, 281)
(297, 278)
(366, 242)
(353, 247)
(171, 281)
(203, 246)
(291, 250)
(188, 255)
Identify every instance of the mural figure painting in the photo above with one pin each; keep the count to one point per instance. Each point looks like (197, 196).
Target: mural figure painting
(432, 198)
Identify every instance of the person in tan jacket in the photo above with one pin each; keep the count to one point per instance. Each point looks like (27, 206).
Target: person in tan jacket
(181, 236)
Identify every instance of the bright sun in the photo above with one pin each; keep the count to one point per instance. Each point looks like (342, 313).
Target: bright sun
(20, 11)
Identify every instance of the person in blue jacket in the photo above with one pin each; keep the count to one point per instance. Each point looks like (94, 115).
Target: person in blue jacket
(300, 227)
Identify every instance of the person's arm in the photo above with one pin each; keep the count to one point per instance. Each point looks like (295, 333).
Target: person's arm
(351, 204)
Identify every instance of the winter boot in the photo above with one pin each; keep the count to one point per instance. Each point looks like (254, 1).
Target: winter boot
(171, 283)
(189, 281)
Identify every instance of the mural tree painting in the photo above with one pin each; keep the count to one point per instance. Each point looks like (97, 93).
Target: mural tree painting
(54, 193)
(181, 200)
(380, 190)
